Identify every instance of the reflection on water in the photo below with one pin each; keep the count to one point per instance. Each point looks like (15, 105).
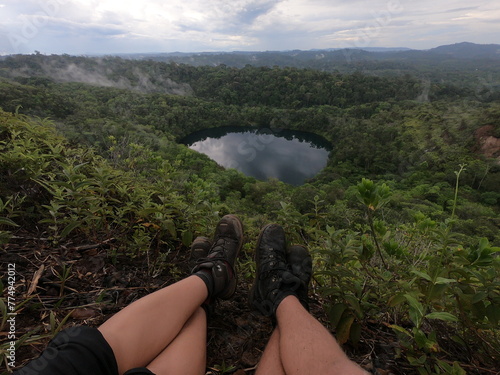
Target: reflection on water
(289, 156)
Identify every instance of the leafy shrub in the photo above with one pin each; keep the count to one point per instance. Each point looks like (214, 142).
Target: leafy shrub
(416, 273)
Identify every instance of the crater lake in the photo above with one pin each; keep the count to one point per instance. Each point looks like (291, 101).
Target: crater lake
(288, 155)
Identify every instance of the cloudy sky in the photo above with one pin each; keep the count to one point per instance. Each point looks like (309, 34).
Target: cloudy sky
(121, 26)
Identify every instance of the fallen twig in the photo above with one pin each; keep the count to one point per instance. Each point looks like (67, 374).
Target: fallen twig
(34, 281)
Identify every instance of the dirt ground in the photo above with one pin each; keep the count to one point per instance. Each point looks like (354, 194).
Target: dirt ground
(98, 284)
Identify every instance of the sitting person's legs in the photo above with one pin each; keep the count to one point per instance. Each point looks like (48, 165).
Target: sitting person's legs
(299, 343)
(161, 333)
(166, 330)
(147, 333)
(144, 329)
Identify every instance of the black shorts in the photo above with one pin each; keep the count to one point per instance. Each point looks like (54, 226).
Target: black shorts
(79, 351)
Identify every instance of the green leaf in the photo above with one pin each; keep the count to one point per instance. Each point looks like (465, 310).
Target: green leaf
(442, 316)
(52, 321)
(353, 301)
(69, 228)
(442, 280)
(400, 329)
(459, 340)
(423, 275)
(170, 225)
(444, 366)
(335, 313)
(63, 322)
(437, 291)
(416, 311)
(344, 329)
(415, 317)
(82, 184)
(417, 362)
(479, 297)
(7, 221)
(455, 370)
(493, 314)
(187, 237)
(396, 300)
(483, 244)
(421, 339)
(458, 370)
(414, 304)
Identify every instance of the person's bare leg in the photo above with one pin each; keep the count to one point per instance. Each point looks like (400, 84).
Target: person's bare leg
(306, 346)
(141, 331)
(270, 362)
(186, 355)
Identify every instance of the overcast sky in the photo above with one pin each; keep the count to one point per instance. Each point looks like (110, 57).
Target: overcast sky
(122, 26)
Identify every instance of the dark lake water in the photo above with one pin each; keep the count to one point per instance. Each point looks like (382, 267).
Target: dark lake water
(290, 156)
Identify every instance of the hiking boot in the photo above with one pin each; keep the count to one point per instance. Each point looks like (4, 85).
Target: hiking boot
(300, 264)
(199, 249)
(273, 280)
(217, 268)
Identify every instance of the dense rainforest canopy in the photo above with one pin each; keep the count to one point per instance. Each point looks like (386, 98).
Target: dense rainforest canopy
(403, 223)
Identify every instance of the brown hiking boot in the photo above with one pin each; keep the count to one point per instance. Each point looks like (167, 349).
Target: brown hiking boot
(199, 249)
(273, 280)
(217, 268)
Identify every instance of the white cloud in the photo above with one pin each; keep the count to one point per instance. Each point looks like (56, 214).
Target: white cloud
(79, 26)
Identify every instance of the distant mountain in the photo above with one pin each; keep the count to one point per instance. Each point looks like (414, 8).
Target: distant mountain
(467, 50)
(369, 49)
(461, 55)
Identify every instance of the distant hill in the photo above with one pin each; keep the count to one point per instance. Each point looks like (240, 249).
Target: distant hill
(479, 63)
(459, 55)
(468, 51)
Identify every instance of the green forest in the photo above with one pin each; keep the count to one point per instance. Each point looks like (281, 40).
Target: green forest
(403, 223)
